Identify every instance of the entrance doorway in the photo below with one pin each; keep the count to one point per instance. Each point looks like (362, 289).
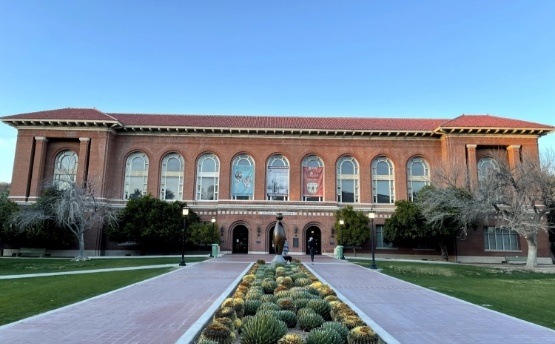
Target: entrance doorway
(240, 240)
(315, 233)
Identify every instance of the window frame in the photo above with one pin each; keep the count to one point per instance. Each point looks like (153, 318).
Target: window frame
(344, 177)
(317, 162)
(63, 176)
(412, 178)
(272, 159)
(166, 175)
(131, 174)
(377, 180)
(236, 162)
(204, 176)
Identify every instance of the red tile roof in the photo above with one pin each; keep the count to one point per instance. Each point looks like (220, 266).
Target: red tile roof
(276, 122)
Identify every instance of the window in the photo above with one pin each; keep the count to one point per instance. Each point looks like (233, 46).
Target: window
(208, 177)
(171, 183)
(486, 166)
(136, 175)
(347, 180)
(382, 181)
(380, 243)
(242, 178)
(500, 239)
(65, 169)
(277, 178)
(418, 176)
(313, 179)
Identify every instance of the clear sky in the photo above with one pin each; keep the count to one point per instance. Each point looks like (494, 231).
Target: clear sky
(421, 59)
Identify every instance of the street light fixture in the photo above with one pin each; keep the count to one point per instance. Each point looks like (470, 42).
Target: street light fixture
(185, 213)
(213, 229)
(341, 223)
(371, 216)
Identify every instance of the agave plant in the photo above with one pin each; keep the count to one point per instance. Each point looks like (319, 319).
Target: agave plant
(338, 327)
(288, 317)
(287, 303)
(263, 329)
(251, 306)
(309, 321)
(269, 306)
(323, 336)
(321, 307)
(362, 335)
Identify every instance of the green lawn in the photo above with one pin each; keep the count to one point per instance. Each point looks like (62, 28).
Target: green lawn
(16, 266)
(24, 297)
(526, 295)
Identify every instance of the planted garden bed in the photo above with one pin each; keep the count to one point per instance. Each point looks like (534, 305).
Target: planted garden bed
(285, 304)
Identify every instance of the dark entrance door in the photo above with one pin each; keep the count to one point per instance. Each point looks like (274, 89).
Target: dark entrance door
(271, 249)
(314, 232)
(240, 240)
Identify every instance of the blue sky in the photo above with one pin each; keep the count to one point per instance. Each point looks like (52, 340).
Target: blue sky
(421, 59)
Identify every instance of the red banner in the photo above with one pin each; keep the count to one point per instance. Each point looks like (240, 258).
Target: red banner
(313, 182)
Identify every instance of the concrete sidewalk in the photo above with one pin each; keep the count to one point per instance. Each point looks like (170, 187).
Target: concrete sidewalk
(174, 307)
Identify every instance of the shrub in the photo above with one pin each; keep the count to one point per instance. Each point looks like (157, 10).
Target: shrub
(362, 335)
(263, 329)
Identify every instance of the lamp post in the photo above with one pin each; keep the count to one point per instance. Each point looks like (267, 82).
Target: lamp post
(341, 223)
(213, 230)
(371, 216)
(185, 213)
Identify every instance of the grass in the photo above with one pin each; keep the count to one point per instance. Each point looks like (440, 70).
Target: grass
(24, 297)
(17, 266)
(522, 294)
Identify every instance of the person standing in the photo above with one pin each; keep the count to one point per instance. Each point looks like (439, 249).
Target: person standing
(285, 251)
(312, 248)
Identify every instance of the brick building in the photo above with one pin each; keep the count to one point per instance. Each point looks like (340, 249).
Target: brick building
(242, 170)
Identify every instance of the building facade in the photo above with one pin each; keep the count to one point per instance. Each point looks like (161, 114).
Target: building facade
(242, 170)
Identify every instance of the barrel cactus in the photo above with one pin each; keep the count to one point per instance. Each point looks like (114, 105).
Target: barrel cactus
(225, 312)
(309, 321)
(261, 261)
(208, 341)
(268, 298)
(217, 332)
(263, 329)
(288, 317)
(301, 282)
(230, 324)
(323, 336)
(251, 306)
(362, 335)
(338, 327)
(269, 306)
(321, 307)
(353, 321)
(287, 303)
(303, 311)
(291, 338)
(269, 286)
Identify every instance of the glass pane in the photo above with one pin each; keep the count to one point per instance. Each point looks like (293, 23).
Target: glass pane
(347, 167)
(172, 188)
(382, 168)
(208, 165)
(348, 191)
(208, 188)
(174, 165)
(417, 169)
(382, 189)
(137, 164)
(136, 185)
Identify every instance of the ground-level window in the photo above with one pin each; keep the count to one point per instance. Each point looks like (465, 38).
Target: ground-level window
(500, 239)
(380, 241)
(65, 169)
(171, 178)
(136, 175)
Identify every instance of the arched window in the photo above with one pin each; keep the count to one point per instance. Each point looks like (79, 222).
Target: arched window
(277, 178)
(208, 177)
(313, 179)
(486, 166)
(242, 178)
(136, 175)
(383, 182)
(347, 180)
(171, 177)
(65, 169)
(418, 176)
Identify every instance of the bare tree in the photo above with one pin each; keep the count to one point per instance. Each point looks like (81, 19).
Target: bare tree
(515, 197)
(69, 206)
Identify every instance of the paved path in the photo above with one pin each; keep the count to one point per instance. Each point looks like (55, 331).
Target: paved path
(173, 307)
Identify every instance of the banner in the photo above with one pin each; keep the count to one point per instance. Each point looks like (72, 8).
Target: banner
(278, 181)
(243, 180)
(313, 182)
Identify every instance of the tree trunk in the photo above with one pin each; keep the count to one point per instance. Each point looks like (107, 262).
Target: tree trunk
(444, 252)
(532, 242)
(81, 239)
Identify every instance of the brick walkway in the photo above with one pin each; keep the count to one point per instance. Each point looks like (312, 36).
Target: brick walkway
(173, 307)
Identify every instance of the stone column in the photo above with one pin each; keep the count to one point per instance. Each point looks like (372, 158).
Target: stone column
(83, 161)
(471, 165)
(37, 173)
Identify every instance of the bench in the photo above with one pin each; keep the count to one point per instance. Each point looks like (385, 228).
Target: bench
(516, 259)
(31, 252)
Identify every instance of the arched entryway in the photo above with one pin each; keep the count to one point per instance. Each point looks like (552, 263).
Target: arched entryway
(315, 233)
(271, 248)
(240, 240)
